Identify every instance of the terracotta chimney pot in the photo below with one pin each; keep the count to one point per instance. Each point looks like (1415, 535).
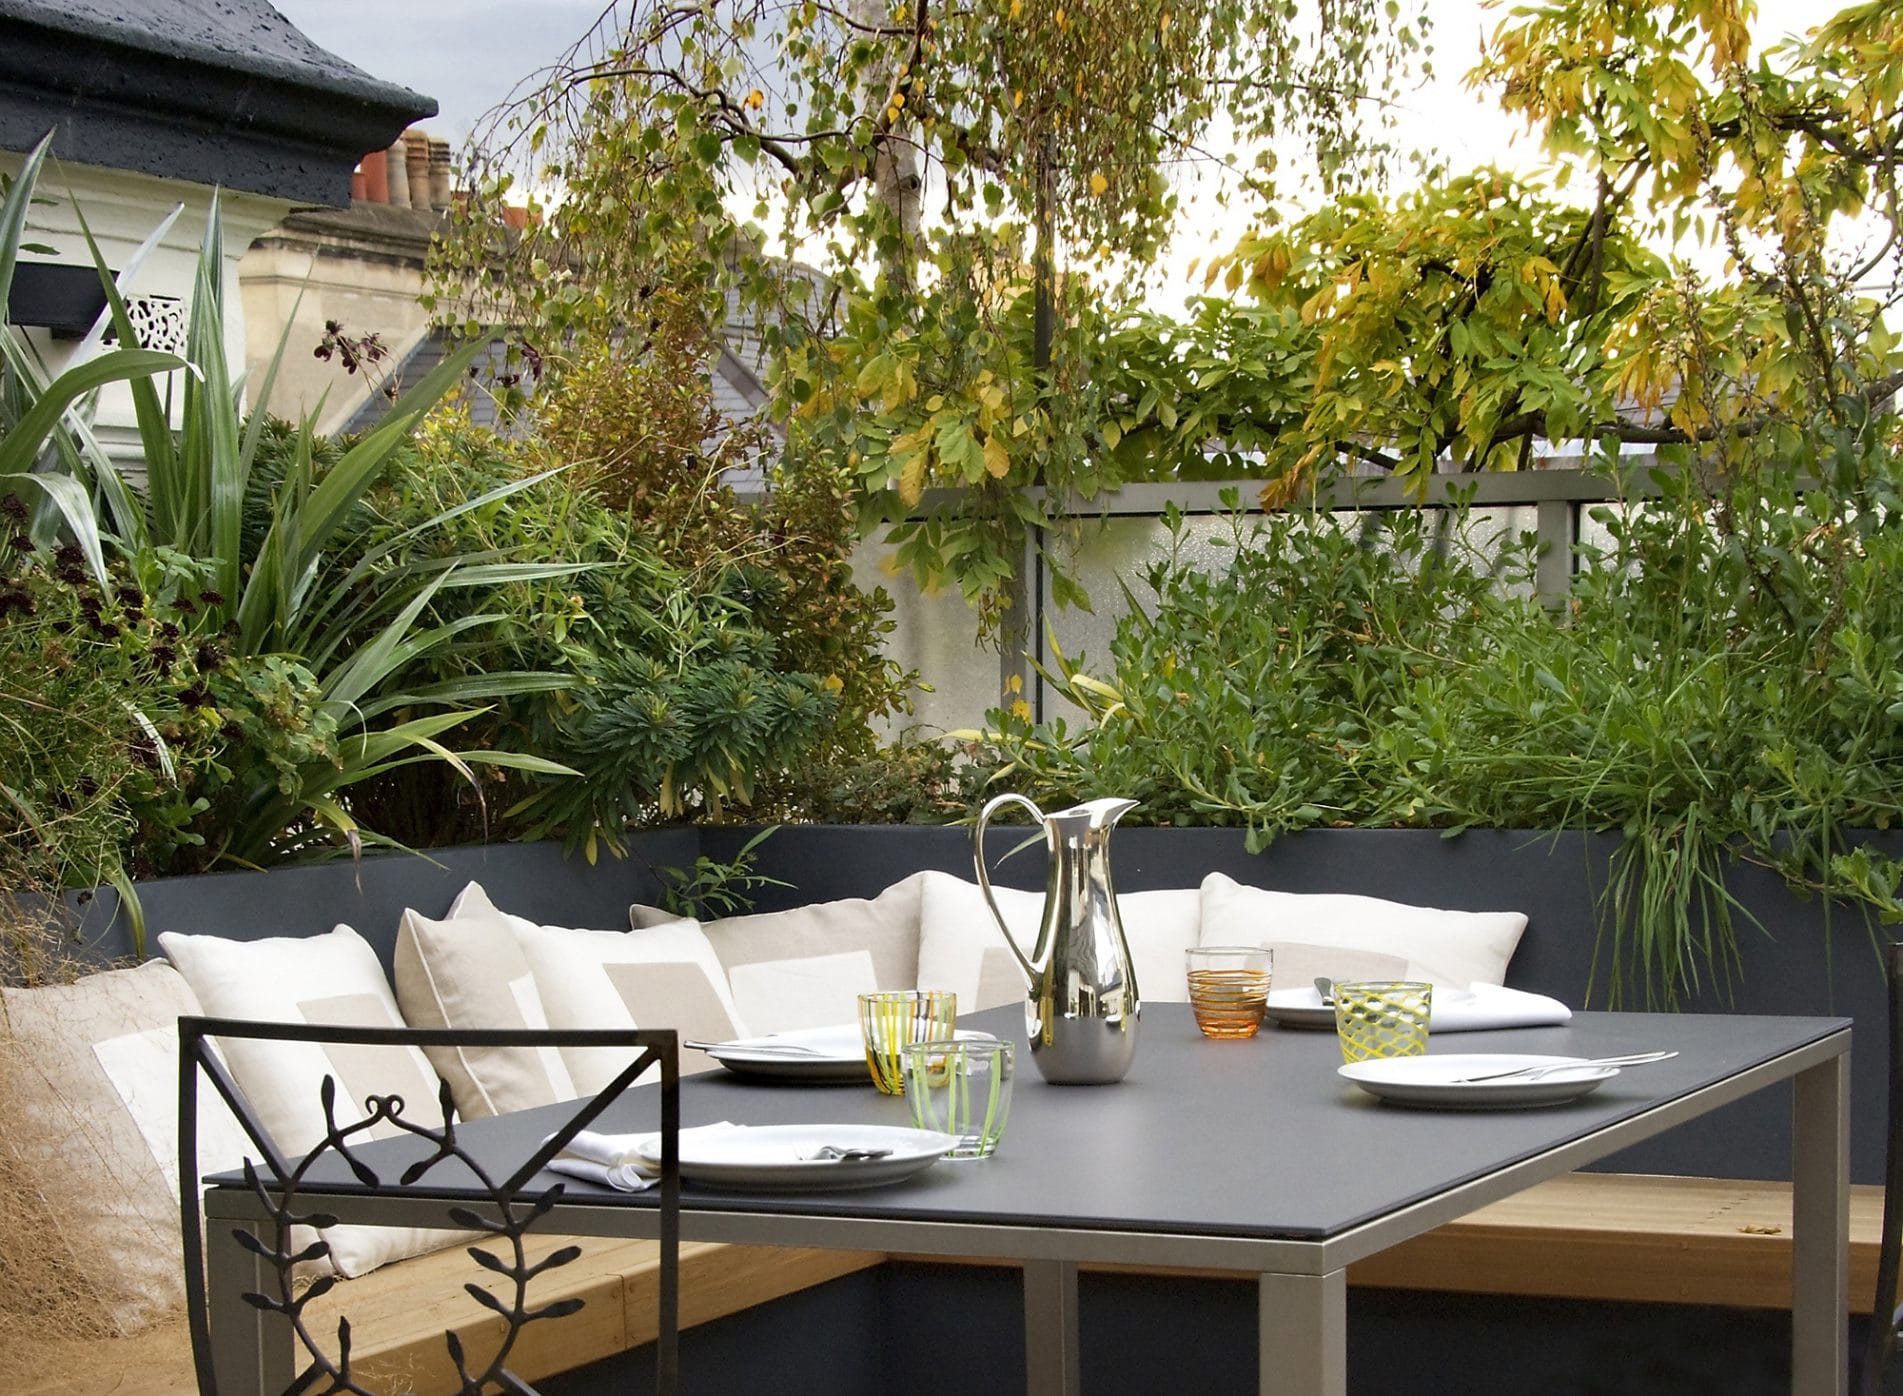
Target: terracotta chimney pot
(376, 178)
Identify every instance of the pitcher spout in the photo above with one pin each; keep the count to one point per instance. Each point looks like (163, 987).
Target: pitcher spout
(1097, 814)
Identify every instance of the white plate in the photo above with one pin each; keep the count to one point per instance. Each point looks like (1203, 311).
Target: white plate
(1299, 1008)
(776, 1158)
(832, 1055)
(1434, 1080)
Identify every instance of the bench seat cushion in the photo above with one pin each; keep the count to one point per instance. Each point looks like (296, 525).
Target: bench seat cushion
(467, 971)
(806, 967)
(328, 979)
(961, 947)
(1454, 948)
(89, 1131)
(663, 977)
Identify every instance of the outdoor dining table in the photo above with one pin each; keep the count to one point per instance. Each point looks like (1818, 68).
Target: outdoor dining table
(1251, 1156)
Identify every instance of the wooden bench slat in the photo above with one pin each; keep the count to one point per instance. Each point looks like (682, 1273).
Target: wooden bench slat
(1629, 1237)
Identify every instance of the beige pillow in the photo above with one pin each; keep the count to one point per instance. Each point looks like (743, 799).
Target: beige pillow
(89, 1130)
(662, 977)
(1454, 948)
(805, 968)
(468, 972)
(961, 947)
(334, 979)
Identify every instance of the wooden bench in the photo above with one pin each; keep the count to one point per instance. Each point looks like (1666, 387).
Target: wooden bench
(398, 1315)
(1606, 1236)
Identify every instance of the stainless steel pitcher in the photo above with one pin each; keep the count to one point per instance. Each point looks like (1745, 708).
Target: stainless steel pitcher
(1083, 1008)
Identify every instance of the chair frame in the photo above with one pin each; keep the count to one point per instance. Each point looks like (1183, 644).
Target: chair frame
(514, 1207)
(1884, 1315)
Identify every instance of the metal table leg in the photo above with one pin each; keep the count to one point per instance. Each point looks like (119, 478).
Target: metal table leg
(251, 1350)
(1302, 1341)
(1820, 1246)
(1052, 1350)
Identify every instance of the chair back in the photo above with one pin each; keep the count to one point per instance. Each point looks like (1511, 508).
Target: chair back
(507, 1209)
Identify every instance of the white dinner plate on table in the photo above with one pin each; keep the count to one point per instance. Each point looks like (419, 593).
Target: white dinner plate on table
(777, 1158)
(1436, 1080)
(817, 1056)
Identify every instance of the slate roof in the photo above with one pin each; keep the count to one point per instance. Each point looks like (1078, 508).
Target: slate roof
(224, 92)
(738, 394)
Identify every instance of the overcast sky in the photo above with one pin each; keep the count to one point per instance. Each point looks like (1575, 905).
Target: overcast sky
(467, 54)
(470, 54)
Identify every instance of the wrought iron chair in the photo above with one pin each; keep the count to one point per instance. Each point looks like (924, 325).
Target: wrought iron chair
(509, 1211)
(1885, 1318)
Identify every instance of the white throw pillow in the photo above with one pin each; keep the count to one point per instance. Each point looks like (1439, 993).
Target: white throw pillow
(89, 1089)
(663, 977)
(961, 947)
(325, 979)
(469, 972)
(1454, 948)
(805, 968)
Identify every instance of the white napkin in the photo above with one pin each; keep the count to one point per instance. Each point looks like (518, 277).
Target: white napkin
(1494, 1006)
(614, 1160)
(1477, 1007)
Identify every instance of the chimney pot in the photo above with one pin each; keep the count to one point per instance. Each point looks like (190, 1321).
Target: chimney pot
(376, 179)
(397, 173)
(416, 159)
(439, 174)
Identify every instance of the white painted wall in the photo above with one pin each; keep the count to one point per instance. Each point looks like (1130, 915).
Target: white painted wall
(122, 209)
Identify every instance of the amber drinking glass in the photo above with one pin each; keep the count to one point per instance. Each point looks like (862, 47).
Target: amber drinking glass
(1229, 988)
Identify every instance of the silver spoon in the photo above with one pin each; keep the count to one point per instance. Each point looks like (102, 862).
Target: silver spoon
(1542, 1068)
(1326, 988)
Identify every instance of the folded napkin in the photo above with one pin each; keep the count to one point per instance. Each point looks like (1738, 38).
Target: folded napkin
(1494, 1006)
(615, 1161)
(1473, 1009)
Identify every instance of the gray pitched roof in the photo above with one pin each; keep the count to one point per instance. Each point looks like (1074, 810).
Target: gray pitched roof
(225, 92)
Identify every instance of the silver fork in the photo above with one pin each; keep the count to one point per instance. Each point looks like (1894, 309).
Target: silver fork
(1540, 1069)
(847, 1155)
(788, 1049)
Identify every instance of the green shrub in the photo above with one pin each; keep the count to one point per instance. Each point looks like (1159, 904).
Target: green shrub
(677, 701)
(1724, 681)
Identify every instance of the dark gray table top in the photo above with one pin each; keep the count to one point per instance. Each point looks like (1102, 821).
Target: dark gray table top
(1258, 1138)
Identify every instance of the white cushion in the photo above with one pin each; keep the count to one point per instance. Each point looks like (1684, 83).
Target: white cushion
(328, 979)
(1455, 948)
(663, 977)
(961, 947)
(805, 968)
(89, 1084)
(468, 971)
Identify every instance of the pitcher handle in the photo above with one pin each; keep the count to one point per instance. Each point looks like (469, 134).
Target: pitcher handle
(984, 878)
